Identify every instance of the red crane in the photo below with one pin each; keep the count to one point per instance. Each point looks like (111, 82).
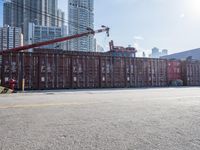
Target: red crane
(89, 32)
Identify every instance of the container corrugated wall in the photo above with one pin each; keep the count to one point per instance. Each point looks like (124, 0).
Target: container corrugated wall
(71, 70)
(30, 70)
(106, 72)
(174, 70)
(63, 71)
(118, 70)
(191, 73)
(11, 69)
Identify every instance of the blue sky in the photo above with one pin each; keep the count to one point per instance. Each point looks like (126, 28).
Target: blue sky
(166, 24)
(1, 13)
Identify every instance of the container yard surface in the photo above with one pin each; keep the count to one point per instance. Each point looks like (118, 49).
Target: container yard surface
(127, 119)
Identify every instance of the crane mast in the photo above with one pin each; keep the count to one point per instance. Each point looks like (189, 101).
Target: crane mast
(89, 32)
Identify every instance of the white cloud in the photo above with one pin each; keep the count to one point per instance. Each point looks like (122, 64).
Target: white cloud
(138, 38)
(138, 47)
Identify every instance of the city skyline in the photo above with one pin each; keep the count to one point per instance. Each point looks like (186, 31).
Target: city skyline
(171, 24)
(19, 13)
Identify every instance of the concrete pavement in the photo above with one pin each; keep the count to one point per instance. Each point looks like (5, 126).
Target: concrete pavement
(128, 119)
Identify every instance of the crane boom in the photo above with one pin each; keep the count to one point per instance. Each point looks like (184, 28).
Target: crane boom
(89, 32)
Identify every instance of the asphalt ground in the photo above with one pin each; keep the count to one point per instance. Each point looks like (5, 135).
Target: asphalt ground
(120, 119)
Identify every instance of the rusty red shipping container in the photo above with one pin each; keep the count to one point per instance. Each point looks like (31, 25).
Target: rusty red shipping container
(106, 72)
(191, 73)
(174, 70)
(68, 70)
(30, 71)
(92, 72)
(63, 74)
(129, 72)
(11, 69)
(150, 72)
(119, 74)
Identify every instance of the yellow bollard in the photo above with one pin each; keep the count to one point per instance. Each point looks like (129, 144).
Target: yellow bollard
(23, 84)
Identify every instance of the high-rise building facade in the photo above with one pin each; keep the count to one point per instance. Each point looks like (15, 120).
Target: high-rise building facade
(13, 13)
(157, 54)
(39, 33)
(19, 13)
(60, 18)
(164, 52)
(10, 37)
(81, 17)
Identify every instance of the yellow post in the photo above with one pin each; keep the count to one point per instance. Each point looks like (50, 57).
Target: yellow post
(23, 84)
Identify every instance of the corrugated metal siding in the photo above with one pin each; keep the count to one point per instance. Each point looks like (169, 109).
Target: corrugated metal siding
(30, 70)
(191, 73)
(92, 72)
(118, 65)
(70, 70)
(174, 70)
(106, 72)
(129, 72)
(11, 69)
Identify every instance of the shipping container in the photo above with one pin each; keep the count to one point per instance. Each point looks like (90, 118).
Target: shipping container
(162, 73)
(92, 72)
(63, 71)
(150, 72)
(76, 70)
(46, 74)
(11, 69)
(119, 74)
(174, 71)
(106, 72)
(130, 72)
(30, 71)
(191, 73)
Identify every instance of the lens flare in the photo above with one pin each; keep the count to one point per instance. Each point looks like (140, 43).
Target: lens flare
(193, 8)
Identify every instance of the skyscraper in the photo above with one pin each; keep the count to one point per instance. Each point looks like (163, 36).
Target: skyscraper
(81, 16)
(39, 33)
(164, 52)
(13, 12)
(19, 13)
(155, 52)
(60, 18)
(10, 37)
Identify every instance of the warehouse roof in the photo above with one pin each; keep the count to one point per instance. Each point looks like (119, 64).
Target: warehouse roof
(195, 54)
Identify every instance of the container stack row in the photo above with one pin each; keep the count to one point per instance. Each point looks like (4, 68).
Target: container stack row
(81, 70)
(76, 70)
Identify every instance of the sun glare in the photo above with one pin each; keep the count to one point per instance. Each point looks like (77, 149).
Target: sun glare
(193, 7)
